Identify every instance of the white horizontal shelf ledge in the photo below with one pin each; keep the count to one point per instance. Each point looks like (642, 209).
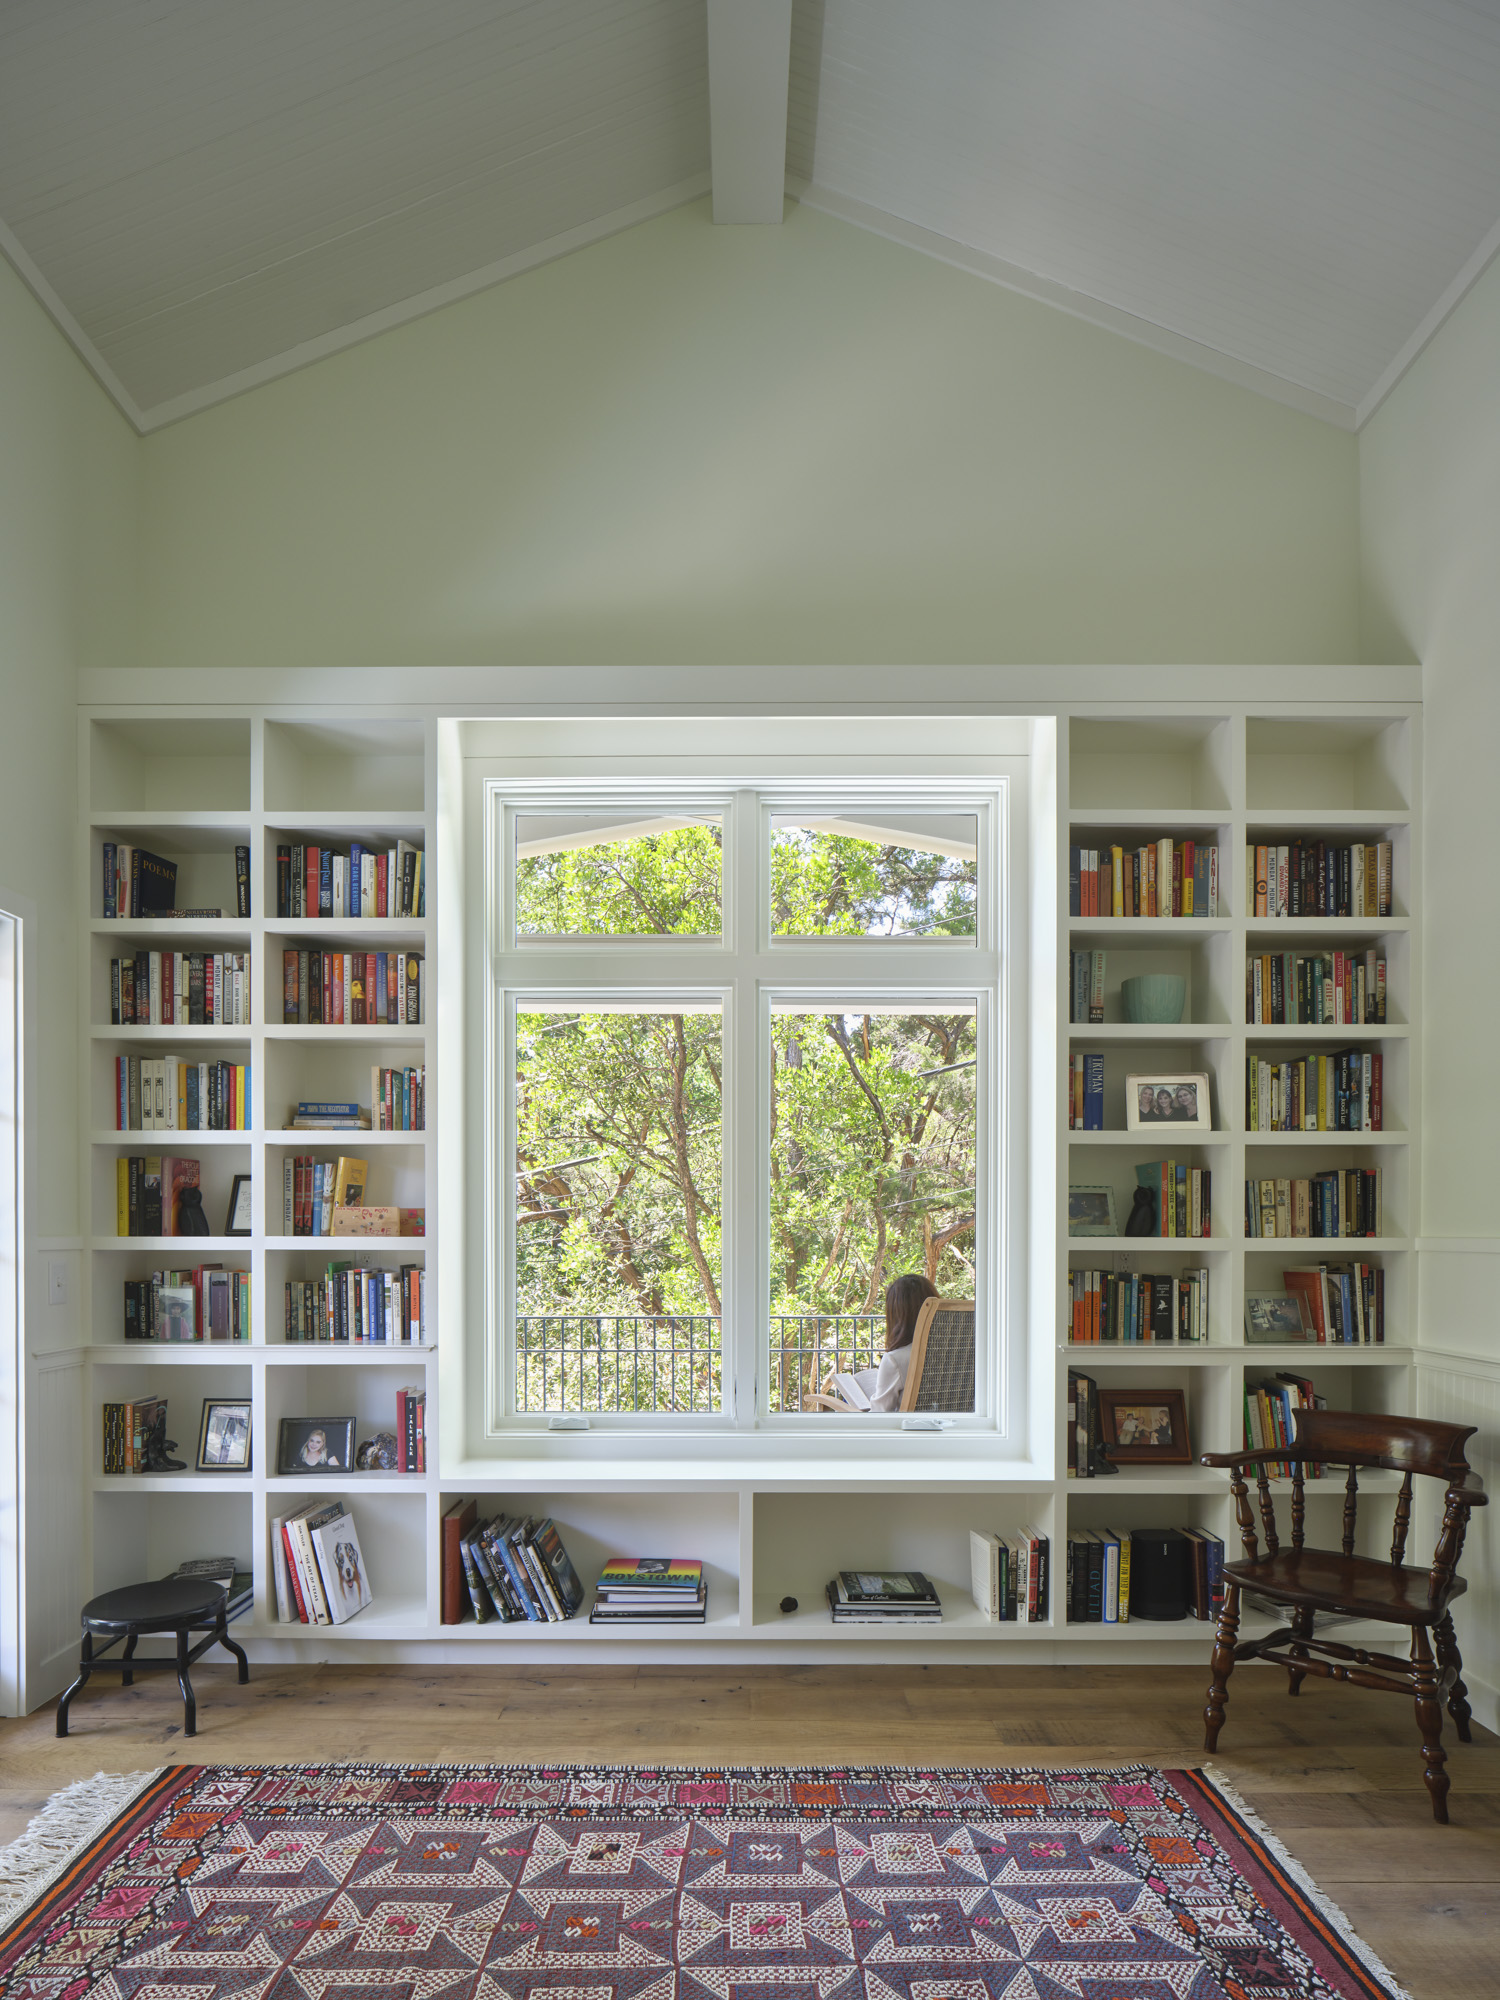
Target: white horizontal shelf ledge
(1111, 1245)
(1360, 1031)
(294, 828)
(345, 1483)
(346, 1353)
(538, 1472)
(215, 930)
(142, 820)
(174, 1482)
(1268, 930)
(378, 1031)
(179, 1353)
(191, 1245)
(1166, 1135)
(176, 1134)
(1383, 1138)
(382, 1618)
(577, 1631)
(181, 1036)
(1220, 1353)
(1150, 1031)
(1190, 819)
(1323, 819)
(327, 1135)
(343, 1245)
(1327, 1249)
(332, 929)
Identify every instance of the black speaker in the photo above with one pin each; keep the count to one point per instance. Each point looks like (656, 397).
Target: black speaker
(1159, 1573)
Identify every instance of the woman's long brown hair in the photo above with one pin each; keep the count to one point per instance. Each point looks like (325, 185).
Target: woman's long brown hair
(904, 1299)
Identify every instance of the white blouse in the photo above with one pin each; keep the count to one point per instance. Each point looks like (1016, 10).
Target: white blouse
(884, 1385)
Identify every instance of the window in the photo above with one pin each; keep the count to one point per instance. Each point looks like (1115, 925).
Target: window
(748, 1050)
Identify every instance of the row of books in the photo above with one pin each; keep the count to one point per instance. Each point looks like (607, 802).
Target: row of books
(1009, 1575)
(1184, 1196)
(650, 1590)
(883, 1597)
(399, 1098)
(317, 1565)
(312, 1189)
(365, 882)
(1163, 878)
(1314, 878)
(1344, 1304)
(167, 1094)
(1086, 986)
(1331, 989)
(1085, 1091)
(203, 1303)
(182, 989)
(517, 1570)
(1101, 1567)
(140, 884)
(128, 1429)
(1339, 1092)
(149, 1191)
(355, 1303)
(353, 989)
(1141, 1306)
(1343, 1201)
(1271, 1407)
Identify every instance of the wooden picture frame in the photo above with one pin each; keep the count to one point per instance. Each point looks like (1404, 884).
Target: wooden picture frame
(237, 1221)
(312, 1446)
(1145, 1426)
(224, 1434)
(1091, 1211)
(1277, 1319)
(1180, 1101)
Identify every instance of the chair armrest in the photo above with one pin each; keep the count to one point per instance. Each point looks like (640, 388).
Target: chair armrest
(1471, 1493)
(1266, 1455)
(836, 1403)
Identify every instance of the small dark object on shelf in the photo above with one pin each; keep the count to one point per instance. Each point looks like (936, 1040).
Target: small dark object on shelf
(191, 1221)
(789, 1604)
(157, 1446)
(376, 1454)
(1142, 1218)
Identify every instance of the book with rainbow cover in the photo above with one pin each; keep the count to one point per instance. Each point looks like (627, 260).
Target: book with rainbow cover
(663, 1573)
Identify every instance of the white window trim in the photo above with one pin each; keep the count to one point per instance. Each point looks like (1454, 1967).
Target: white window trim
(993, 782)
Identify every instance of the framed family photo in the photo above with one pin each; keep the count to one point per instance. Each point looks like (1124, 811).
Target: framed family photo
(1145, 1426)
(1176, 1099)
(315, 1444)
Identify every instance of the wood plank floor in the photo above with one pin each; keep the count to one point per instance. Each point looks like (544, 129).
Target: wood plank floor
(1336, 1772)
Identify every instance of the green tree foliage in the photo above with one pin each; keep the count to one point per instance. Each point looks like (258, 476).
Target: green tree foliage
(618, 1142)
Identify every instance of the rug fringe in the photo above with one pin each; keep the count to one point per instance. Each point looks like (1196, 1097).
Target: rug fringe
(68, 1821)
(1374, 1965)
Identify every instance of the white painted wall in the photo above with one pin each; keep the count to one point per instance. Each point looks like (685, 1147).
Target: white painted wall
(709, 446)
(1430, 518)
(68, 469)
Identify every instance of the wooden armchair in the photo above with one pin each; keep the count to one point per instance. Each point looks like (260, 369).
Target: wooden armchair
(1307, 1580)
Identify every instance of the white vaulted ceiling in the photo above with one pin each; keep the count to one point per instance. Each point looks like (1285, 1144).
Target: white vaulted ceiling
(206, 192)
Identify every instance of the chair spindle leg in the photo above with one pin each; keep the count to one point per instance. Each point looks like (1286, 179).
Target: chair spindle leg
(1430, 1722)
(1225, 1634)
(1302, 1625)
(1458, 1695)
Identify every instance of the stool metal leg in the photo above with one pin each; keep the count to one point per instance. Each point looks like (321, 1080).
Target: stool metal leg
(127, 1678)
(86, 1654)
(189, 1705)
(221, 1633)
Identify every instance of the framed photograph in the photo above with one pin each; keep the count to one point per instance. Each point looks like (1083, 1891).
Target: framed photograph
(1145, 1426)
(1091, 1211)
(1272, 1317)
(1154, 1101)
(239, 1207)
(315, 1444)
(224, 1437)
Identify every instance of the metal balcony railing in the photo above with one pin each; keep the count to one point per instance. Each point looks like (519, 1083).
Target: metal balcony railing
(672, 1363)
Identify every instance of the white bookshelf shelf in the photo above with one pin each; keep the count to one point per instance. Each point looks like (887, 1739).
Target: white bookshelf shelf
(768, 1526)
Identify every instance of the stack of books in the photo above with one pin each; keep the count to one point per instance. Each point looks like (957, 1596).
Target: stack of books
(238, 1583)
(883, 1597)
(317, 1566)
(650, 1590)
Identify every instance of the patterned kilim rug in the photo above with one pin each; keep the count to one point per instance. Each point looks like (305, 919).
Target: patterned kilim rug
(419, 1882)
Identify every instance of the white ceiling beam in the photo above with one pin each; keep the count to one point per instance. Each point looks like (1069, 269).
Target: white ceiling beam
(749, 66)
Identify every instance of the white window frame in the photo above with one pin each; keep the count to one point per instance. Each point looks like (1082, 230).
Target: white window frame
(988, 972)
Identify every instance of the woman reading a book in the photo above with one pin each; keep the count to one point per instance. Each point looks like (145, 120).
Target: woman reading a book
(881, 1388)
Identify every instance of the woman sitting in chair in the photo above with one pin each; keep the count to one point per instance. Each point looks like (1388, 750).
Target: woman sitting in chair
(904, 1299)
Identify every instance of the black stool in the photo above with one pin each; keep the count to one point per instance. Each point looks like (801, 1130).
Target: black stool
(178, 1604)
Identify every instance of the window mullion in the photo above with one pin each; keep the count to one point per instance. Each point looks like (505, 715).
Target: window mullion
(745, 1163)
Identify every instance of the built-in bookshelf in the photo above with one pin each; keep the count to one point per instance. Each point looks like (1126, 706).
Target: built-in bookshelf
(1237, 779)
(193, 787)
